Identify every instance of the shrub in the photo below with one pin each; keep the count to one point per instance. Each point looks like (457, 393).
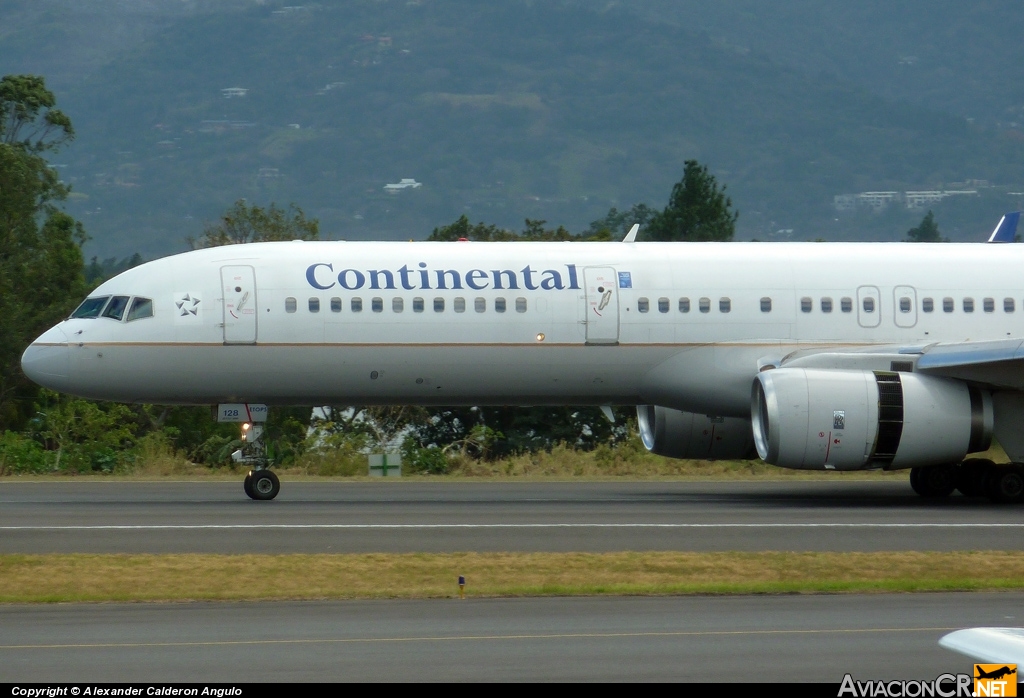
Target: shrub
(20, 454)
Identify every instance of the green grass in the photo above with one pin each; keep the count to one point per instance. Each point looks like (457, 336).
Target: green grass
(185, 577)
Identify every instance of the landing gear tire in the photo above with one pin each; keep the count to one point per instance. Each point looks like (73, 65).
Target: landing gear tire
(263, 485)
(972, 478)
(1005, 484)
(935, 481)
(247, 485)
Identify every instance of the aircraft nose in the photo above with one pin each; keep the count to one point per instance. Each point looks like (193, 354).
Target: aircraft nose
(47, 360)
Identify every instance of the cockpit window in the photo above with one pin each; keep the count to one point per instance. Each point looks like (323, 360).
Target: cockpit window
(140, 308)
(90, 307)
(115, 308)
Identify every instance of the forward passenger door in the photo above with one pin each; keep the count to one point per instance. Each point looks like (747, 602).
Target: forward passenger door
(238, 290)
(602, 291)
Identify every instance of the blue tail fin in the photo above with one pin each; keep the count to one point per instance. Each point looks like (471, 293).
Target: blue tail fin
(1006, 231)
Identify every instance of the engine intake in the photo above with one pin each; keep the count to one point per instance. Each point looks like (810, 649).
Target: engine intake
(677, 434)
(851, 420)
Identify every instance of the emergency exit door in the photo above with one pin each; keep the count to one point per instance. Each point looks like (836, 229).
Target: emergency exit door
(238, 286)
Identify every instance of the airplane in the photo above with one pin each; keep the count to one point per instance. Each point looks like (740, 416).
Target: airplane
(820, 356)
(995, 673)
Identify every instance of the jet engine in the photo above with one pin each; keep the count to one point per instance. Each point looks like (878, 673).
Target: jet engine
(851, 420)
(677, 434)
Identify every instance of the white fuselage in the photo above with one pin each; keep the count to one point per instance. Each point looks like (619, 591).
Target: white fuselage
(685, 326)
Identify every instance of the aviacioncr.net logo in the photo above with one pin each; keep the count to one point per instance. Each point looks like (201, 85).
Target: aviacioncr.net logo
(943, 686)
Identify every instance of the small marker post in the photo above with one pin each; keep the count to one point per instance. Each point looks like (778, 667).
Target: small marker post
(462, 587)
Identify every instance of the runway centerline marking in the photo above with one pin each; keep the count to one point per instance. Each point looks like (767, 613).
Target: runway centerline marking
(456, 526)
(469, 638)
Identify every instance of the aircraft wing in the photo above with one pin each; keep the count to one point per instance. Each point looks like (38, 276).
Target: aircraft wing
(994, 363)
(998, 363)
(995, 645)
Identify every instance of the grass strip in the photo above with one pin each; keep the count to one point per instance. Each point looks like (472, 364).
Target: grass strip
(183, 577)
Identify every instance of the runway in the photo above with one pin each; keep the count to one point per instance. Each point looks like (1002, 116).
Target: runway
(447, 516)
(709, 639)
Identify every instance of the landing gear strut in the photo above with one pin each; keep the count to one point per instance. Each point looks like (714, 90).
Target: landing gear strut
(260, 483)
(975, 477)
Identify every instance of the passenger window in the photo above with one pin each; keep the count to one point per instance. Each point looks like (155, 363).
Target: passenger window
(643, 305)
(927, 305)
(314, 305)
(520, 305)
(357, 305)
(905, 305)
(766, 305)
(377, 304)
(989, 305)
(806, 305)
(684, 305)
(115, 308)
(141, 308)
(663, 305)
(1008, 305)
(439, 305)
(869, 305)
(397, 304)
(90, 307)
(826, 305)
(480, 305)
(290, 305)
(417, 305)
(724, 305)
(459, 305)
(846, 304)
(968, 305)
(335, 305)
(704, 304)
(947, 305)
(499, 305)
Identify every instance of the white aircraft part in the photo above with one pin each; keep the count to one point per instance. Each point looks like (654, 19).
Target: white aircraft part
(904, 306)
(678, 434)
(849, 420)
(869, 310)
(602, 321)
(238, 285)
(989, 645)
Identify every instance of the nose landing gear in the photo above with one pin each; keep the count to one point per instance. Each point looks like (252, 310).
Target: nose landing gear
(260, 483)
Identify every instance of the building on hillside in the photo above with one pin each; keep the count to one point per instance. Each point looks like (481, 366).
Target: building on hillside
(403, 184)
(921, 199)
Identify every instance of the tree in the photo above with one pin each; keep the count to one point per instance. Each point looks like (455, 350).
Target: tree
(27, 115)
(40, 246)
(533, 231)
(243, 223)
(697, 210)
(616, 224)
(927, 231)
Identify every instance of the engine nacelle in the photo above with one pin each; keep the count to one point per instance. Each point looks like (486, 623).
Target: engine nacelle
(850, 420)
(677, 434)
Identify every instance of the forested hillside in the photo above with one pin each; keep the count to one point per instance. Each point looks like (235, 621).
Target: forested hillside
(502, 110)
